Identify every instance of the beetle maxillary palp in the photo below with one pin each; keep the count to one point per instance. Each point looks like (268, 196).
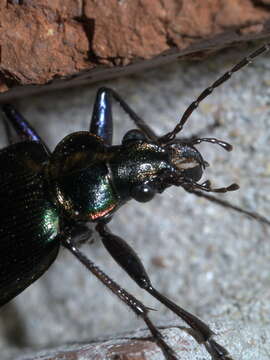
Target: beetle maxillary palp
(206, 186)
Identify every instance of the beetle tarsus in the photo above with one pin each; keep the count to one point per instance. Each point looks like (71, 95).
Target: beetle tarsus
(217, 351)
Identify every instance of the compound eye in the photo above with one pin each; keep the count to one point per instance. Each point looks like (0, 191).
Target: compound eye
(143, 193)
(133, 135)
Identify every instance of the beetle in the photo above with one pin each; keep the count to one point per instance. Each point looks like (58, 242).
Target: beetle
(48, 198)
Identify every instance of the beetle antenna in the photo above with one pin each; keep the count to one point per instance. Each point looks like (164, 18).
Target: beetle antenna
(245, 61)
(226, 146)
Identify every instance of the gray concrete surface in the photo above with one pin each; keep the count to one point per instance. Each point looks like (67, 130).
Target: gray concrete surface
(212, 261)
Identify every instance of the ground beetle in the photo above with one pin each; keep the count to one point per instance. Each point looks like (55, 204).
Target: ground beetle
(48, 198)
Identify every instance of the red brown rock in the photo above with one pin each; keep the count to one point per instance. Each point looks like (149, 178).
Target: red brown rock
(45, 40)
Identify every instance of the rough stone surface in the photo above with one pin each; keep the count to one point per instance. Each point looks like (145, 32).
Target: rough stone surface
(87, 40)
(138, 346)
(211, 261)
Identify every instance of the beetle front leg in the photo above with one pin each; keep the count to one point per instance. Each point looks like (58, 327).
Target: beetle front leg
(102, 121)
(126, 257)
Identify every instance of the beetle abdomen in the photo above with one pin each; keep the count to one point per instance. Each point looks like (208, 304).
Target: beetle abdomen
(28, 220)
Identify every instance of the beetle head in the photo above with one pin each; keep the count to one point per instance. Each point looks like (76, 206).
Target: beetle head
(143, 168)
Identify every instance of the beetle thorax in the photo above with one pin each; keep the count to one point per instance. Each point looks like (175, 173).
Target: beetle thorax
(80, 179)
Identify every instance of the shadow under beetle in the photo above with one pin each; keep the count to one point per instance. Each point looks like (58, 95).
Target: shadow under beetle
(47, 198)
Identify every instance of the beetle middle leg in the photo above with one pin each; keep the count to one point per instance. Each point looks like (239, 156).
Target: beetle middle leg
(69, 240)
(127, 258)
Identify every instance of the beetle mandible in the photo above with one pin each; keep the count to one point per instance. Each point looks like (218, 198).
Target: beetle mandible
(47, 198)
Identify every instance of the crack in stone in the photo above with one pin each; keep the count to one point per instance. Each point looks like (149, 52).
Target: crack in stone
(261, 4)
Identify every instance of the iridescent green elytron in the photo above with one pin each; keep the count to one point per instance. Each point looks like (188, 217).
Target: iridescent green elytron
(26, 210)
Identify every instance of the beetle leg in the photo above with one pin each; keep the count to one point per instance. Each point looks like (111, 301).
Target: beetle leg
(126, 257)
(68, 240)
(82, 234)
(20, 125)
(101, 123)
